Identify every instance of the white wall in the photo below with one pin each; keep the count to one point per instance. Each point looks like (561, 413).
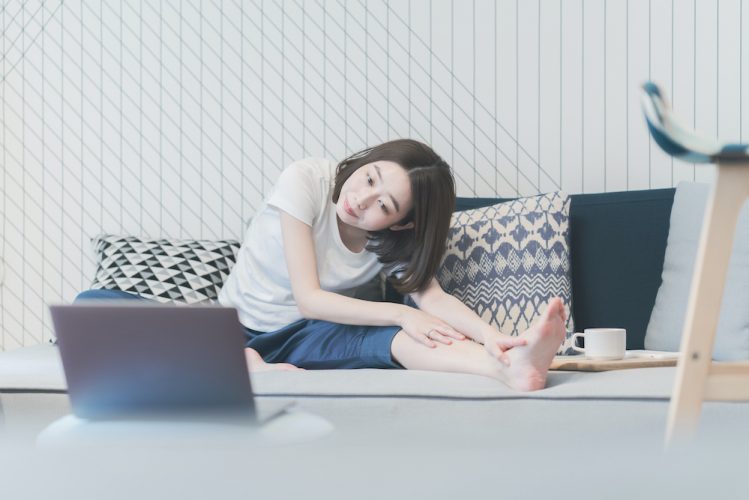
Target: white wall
(173, 118)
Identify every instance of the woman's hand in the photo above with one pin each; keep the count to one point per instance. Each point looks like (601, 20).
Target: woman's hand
(497, 345)
(427, 329)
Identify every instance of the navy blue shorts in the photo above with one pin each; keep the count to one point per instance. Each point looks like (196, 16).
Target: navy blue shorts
(311, 344)
(321, 345)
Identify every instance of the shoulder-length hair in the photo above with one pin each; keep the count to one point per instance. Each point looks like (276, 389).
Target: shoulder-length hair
(411, 255)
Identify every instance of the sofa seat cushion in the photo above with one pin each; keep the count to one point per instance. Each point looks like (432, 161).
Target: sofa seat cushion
(33, 368)
(39, 369)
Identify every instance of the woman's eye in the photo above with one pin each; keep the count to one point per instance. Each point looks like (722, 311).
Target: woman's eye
(384, 208)
(369, 180)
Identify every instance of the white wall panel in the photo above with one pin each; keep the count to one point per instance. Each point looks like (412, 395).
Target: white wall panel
(661, 70)
(683, 97)
(441, 109)
(174, 119)
(615, 92)
(729, 70)
(706, 77)
(528, 44)
(594, 98)
(550, 103)
(507, 89)
(462, 87)
(638, 70)
(420, 64)
(572, 92)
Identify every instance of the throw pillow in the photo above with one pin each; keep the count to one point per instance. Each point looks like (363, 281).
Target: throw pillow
(669, 313)
(508, 260)
(189, 271)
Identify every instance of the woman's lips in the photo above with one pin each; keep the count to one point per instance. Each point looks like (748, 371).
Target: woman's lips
(347, 208)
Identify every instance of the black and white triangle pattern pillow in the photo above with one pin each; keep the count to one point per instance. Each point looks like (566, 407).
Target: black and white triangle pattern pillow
(188, 271)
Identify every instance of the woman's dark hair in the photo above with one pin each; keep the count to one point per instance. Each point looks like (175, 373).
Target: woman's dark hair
(413, 253)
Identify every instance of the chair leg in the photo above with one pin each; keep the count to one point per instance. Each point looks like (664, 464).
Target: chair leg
(728, 194)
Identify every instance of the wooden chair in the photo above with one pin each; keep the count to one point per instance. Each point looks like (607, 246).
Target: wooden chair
(698, 378)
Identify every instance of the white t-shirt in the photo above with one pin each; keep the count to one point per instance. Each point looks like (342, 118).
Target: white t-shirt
(259, 286)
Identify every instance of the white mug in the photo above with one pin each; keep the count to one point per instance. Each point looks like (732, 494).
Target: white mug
(602, 343)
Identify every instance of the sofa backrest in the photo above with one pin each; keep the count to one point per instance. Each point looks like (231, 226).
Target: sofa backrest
(617, 245)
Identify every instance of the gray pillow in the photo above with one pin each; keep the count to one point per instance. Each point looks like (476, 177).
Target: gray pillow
(189, 271)
(668, 316)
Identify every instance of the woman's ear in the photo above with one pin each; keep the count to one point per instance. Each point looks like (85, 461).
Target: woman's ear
(399, 227)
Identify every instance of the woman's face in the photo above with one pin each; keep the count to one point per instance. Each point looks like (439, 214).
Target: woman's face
(375, 197)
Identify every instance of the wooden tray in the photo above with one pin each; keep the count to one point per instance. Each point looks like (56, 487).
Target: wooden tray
(632, 359)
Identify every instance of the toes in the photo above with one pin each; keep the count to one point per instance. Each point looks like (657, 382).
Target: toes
(556, 305)
(555, 308)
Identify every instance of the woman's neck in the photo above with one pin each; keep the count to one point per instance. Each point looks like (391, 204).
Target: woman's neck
(353, 238)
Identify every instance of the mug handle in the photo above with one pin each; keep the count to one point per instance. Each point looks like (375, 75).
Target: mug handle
(573, 343)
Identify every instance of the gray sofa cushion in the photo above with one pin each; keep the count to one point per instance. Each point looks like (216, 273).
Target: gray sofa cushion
(668, 316)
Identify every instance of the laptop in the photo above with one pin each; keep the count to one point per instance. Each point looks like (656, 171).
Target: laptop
(131, 359)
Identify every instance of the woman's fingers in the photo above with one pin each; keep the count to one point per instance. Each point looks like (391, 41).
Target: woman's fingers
(427, 340)
(440, 337)
(497, 353)
(454, 334)
(505, 344)
(500, 354)
(450, 332)
(441, 334)
(510, 342)
(435, 335)
(504, 358)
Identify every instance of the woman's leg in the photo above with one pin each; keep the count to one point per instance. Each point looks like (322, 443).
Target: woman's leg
(255, 363)
(104, 294)
(529, 364)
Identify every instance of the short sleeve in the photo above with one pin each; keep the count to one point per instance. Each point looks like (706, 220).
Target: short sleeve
(298, 192)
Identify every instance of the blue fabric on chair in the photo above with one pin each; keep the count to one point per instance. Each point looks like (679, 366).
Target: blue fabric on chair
(681, 141)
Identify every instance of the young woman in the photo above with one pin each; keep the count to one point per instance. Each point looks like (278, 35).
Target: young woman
(326, 229)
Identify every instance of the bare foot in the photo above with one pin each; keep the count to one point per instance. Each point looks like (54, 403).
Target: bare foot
(530, 363)
(256, 364)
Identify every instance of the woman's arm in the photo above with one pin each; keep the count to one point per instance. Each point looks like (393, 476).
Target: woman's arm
(315, 303)
(433, 300)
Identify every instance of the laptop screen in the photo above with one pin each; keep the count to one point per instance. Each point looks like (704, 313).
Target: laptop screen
(124, 360)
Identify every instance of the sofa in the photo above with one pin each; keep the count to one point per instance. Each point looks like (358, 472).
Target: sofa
(468, 433)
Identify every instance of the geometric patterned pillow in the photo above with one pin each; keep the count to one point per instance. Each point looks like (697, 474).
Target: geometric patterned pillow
(188, 271)
(506, 261)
